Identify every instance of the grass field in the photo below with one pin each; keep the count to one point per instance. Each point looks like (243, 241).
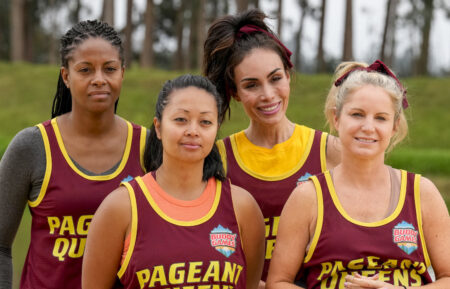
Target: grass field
(27, 94)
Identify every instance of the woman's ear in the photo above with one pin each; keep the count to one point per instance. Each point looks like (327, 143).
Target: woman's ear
(335, 118)
(65, 75)
(157, 125)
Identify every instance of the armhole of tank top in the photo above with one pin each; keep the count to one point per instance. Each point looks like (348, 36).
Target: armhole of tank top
(323, 151)
(48, 168)
(419, 218)
(133, 230)
(319, 221)
(223, 154)
(234, 212)
(143, 143)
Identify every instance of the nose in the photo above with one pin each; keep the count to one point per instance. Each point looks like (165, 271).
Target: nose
(99, 78)
(192, 129)
(368, 125)
(268, 92)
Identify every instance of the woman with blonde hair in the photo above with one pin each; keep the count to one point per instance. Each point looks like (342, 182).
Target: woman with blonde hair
(364, 224)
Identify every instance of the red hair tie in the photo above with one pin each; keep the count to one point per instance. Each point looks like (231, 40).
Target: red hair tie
(249, 29)
(377, 66)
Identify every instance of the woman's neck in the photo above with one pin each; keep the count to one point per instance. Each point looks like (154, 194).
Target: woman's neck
(270, 135)
(85, 123)
(362, 173)
(181, 181)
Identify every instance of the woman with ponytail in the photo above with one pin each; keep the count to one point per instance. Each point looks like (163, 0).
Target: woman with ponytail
(182, 225)
(64, 167)
(247, 62)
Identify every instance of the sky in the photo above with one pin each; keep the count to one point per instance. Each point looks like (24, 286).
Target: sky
(368, 25)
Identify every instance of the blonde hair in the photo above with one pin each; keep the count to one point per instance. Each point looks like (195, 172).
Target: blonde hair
(337, 95)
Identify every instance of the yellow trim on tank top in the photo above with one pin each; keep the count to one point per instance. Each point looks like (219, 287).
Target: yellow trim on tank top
(319, 221)
(95, 178)
(48, 168)
(164, 216)
(143, 142)
(382, 222)
(419, 219)
(295, 152)
(323, 151)
(133, 230)
(223, 153)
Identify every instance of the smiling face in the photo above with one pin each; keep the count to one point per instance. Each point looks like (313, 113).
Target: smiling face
(366, 122)
(94, 75)
(188, 126)
(262, 85)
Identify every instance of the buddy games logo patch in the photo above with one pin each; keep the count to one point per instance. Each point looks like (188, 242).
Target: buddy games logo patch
(405, 236)
(223, 240)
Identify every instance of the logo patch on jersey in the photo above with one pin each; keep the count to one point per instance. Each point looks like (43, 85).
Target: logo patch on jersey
(223, 240)
(303, 178)
(405, 236)
(127, 179)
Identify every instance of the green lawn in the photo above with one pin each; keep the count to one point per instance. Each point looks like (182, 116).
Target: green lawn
(27, 94)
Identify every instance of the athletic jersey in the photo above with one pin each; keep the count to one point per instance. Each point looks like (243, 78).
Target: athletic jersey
(393, 247)
(272, 192)
(168, 253)
(65, 206)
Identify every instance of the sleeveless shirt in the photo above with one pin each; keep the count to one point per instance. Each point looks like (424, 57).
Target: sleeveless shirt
(168, 253)
(393, 247)
(271, 193)
(62, 213)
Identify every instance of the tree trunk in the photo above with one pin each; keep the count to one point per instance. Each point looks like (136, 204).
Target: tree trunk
(17, 27)
(108, 12)
(75, 13)
(422, 65)
(147, 49)
(192, 51)
(179, 27)
(388, 42)
(321, 66)
(128, 49)
(298, 37)
(200, 33)
(280, 18)
(348, 32)
(242, 5)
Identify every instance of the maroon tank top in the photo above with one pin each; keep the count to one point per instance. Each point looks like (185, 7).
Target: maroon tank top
(167, 253)
(271, 195)
(66, 204)
(393, 247)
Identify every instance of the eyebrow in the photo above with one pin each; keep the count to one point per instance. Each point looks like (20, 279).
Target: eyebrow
(202, 112)
(359, 109)
(268, 75)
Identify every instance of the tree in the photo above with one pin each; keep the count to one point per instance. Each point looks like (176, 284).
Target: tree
(17, 28)
(347, 53)
(242, 5)
(147, 48)
(298, 38)
(5, 41)
(128, 48)
(321, 66)
(388, 42)
(196, 33)
(179, 28)
(280, 17)
(108, 12)
(422, 65)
